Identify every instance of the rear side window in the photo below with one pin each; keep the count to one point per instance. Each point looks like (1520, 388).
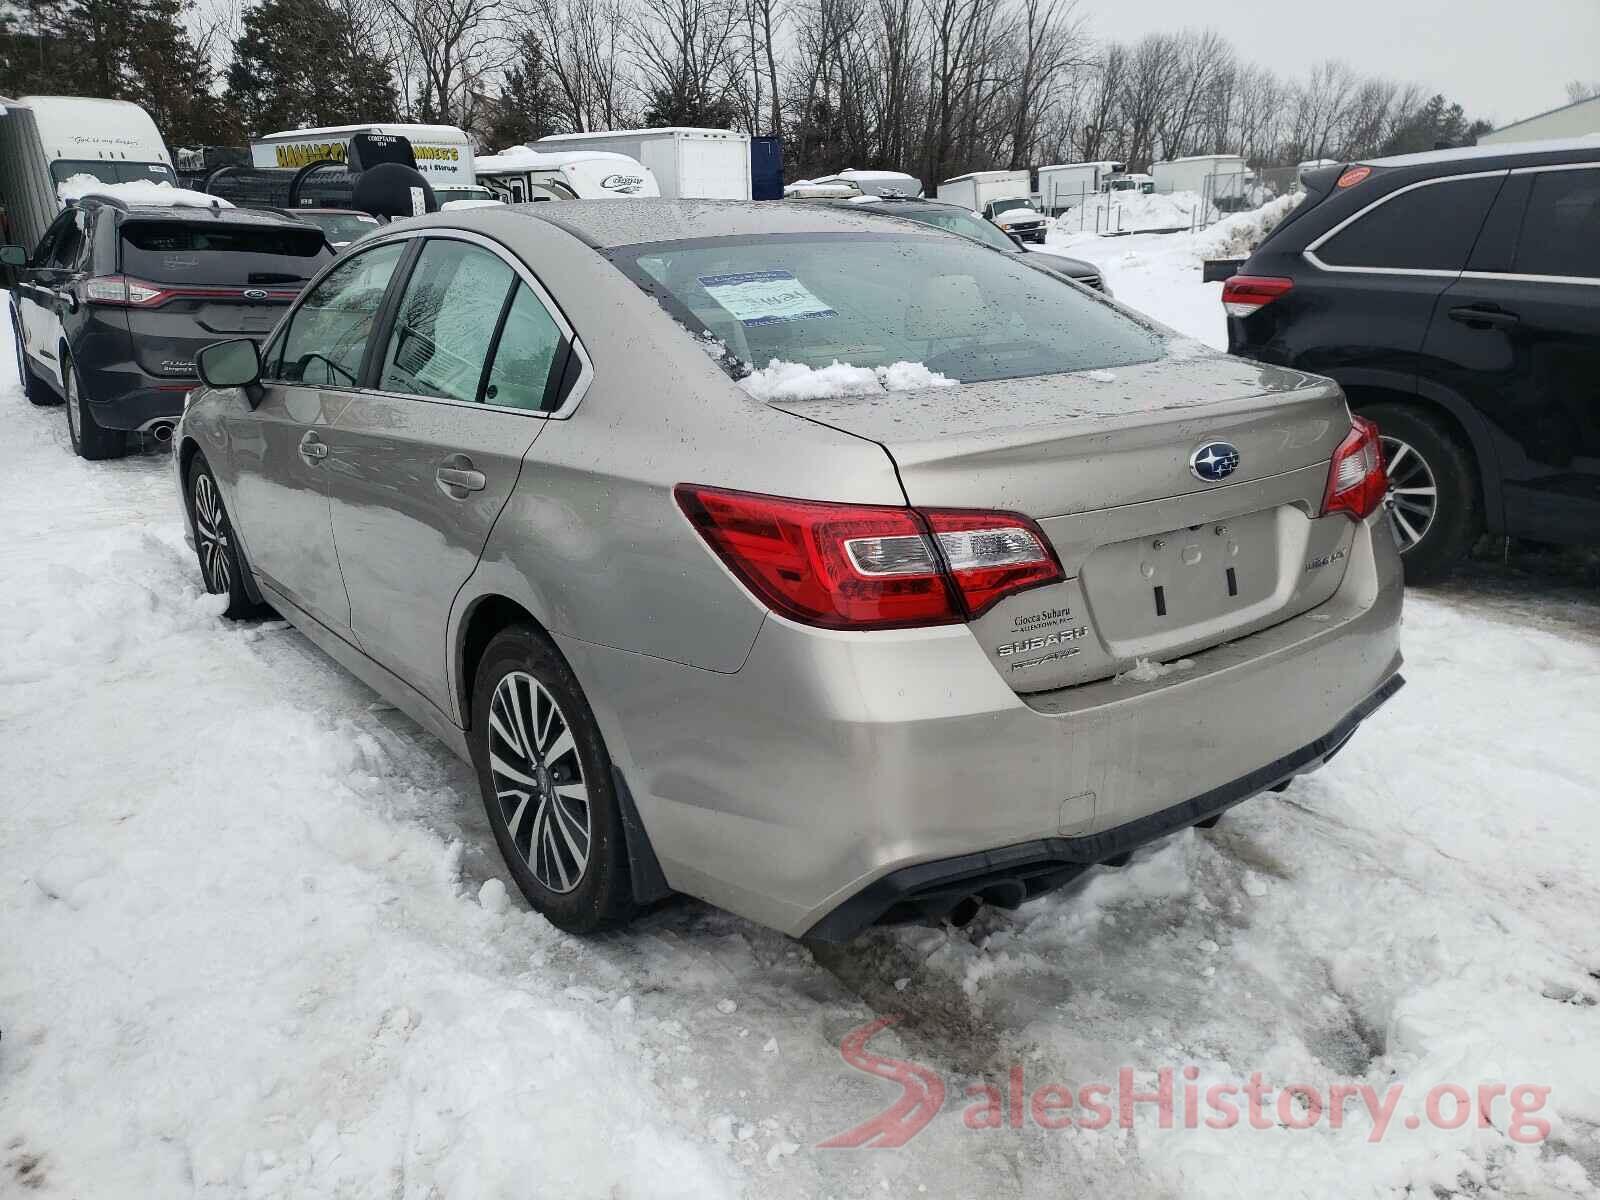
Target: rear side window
(1429, 228)
(224, 255)
(526, 356)
(1561, 232)
(327, 334)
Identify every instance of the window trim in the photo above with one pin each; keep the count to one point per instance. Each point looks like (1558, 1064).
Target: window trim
(1519, 277)
(568, 334)
(1310, 252)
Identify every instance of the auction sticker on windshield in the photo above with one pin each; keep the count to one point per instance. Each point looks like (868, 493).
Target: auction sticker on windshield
(765, 297)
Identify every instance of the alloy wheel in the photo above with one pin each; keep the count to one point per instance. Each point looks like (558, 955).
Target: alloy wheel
(538, 781)
(211, 533)
(1413, 497)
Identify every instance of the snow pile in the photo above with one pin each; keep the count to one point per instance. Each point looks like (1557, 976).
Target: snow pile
(780, 380)
(137, 191)
(1238, 235)
(517, 159)
(1159, 273)
(1121, 212)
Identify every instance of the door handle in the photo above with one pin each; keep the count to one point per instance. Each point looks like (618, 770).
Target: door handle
(1474, 317)
(313, 448)
(457, 481)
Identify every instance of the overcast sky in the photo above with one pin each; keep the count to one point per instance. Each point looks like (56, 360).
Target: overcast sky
(1502, 59)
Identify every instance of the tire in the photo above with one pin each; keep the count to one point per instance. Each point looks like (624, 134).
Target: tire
(214, 543)
(32, 388)
(89, 440)
(1424, 452)
(571, 865)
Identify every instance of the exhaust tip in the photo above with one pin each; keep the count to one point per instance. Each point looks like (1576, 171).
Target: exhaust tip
(162, 431)
(965, 910)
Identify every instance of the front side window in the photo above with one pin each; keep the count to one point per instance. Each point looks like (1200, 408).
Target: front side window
(1561, 232)
(1429, 228)
(327, 335)
(872, 300)
(446, 322)
(527, 356)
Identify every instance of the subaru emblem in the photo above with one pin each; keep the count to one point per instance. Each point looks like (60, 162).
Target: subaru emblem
(254, 294)
(1214, 461)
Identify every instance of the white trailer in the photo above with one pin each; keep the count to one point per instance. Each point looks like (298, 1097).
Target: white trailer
(978, 189)
(1213, 176)
(698, 164)
(524, 174)
(443, 153)
(1067, 185)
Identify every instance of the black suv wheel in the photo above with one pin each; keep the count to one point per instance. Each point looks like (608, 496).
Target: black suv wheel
(1433, 489)
(89, 439)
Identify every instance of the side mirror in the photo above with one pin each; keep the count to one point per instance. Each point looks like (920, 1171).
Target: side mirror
(232, 364)
(13, 256)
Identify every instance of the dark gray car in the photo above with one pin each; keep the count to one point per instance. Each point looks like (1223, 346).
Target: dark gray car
(827, 568)
(944, 215)
(118, 297)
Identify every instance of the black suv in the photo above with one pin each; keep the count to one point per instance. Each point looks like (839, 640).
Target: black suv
(1456, 297)
(114, 303)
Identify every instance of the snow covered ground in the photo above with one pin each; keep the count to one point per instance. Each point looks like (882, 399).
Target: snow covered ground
(257, 941)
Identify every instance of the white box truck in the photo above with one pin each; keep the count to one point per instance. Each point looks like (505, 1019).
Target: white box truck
(1067, 185)
(1207, 175)
(443, 153)
(978, 189)
(688, 164)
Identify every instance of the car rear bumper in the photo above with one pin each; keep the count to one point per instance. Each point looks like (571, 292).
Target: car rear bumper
(1012, 874)
(124, 397)
(789, 790)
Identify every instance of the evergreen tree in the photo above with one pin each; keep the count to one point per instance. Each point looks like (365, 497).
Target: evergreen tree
(301, 63)
(138, 50)
(525, 110)
(1438, 124)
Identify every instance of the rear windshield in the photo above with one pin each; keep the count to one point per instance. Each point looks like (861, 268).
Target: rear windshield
(872, 300)
(221, 254)
(64, 169)
(956, 220)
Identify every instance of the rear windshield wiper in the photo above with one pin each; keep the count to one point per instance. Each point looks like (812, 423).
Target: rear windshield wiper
(275, 277)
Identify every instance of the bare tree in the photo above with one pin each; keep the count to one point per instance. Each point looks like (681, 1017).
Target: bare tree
(1049, 42)
(450, 48)
(1580, 90)
(684, 51)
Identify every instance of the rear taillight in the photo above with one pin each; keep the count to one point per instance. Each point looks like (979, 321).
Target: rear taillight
(119, 289)
(1357, 480)
(850, 566)
(1245, 294)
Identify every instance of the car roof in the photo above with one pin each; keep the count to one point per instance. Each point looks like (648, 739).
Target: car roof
(194, 214)
(608, 224)
(1514, 153)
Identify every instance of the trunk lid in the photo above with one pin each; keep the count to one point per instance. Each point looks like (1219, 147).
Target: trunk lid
(219, 278)
(1160, 562)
